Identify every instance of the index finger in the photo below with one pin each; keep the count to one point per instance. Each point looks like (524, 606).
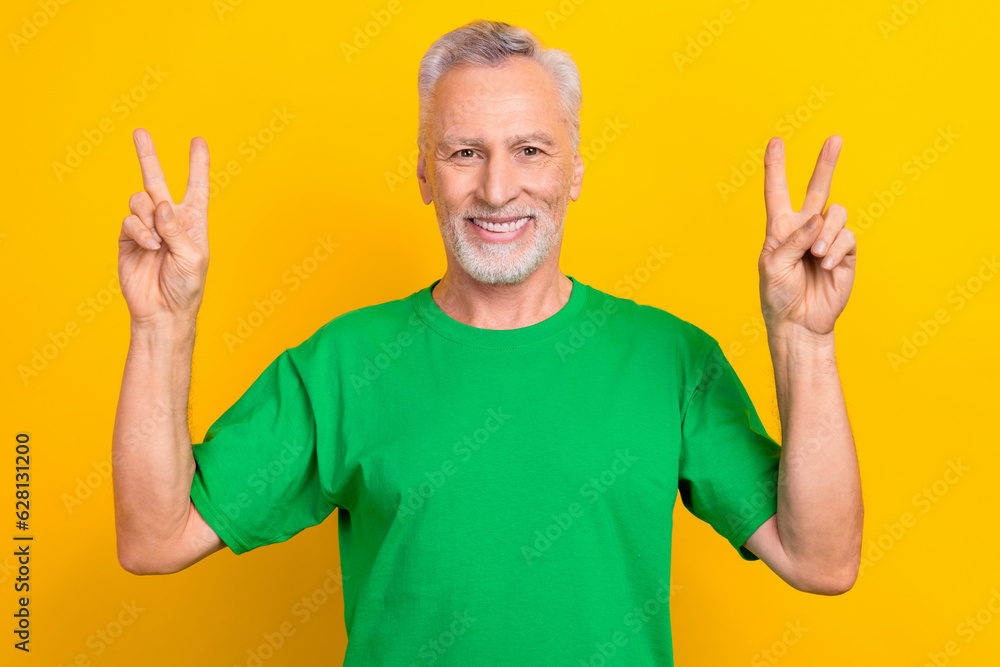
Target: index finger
(818, 190)
(152, 176)
(776, 199)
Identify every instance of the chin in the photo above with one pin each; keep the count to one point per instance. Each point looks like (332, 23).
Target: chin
(499, 280)
(505, 275)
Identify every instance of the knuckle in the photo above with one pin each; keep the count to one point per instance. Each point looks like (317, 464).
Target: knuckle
(130, 225)
(137, 200)
(837, 209)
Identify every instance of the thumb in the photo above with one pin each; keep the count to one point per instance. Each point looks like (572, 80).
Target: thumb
(168, 227)
(797, 243)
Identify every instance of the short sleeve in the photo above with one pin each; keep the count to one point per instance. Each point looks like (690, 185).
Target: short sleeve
(729, 464)
(258, 478)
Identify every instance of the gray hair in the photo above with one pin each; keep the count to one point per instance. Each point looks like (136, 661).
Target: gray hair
(491, 43)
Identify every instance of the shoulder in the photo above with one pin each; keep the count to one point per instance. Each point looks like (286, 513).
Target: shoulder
(649, 323)
(357, 329)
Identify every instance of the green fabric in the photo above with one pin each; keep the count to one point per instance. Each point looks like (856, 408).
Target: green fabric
(505, 496)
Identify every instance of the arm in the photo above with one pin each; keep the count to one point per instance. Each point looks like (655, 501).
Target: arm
(159, 530)
(813, 542)
(162, 264)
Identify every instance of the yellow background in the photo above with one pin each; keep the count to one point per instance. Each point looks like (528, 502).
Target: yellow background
(894, 75)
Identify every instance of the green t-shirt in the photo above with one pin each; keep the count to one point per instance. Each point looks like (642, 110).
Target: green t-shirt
(505, 496)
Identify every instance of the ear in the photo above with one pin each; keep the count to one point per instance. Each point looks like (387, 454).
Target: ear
(577, 183)
(425, 186)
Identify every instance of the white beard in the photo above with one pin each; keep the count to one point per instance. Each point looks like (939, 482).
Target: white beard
(500, 263)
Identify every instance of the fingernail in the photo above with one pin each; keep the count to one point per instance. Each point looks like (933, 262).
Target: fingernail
(167, 214)
(152, 245)
(827, 263)
(819, 247)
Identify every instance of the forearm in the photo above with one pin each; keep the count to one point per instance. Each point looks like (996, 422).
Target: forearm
(820, 511)
(152, 460)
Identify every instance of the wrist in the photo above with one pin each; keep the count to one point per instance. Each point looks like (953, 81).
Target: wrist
(160, 331)
(801, 352)
(163, 321)
(791, 334)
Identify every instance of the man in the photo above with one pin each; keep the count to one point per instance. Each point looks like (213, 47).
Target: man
(505, 446)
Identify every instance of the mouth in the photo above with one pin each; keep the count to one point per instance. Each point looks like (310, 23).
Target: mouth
(501, 226)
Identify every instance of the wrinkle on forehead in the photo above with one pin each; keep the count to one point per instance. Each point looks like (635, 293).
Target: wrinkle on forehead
(520, 95)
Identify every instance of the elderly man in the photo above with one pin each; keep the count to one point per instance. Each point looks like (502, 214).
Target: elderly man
(504, 446)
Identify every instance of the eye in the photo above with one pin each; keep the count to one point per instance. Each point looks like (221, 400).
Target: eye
(465, 152)
(532, 149)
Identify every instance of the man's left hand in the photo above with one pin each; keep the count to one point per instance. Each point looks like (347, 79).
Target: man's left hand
(807, 263)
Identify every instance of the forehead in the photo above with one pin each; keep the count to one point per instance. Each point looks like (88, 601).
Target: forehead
(517, 95)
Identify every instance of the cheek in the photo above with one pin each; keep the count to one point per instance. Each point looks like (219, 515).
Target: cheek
(455, 187)
(550, 185)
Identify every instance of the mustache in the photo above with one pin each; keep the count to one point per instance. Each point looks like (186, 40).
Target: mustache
(511, 211)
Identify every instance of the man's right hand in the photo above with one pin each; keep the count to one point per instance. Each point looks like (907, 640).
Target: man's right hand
(163, 246)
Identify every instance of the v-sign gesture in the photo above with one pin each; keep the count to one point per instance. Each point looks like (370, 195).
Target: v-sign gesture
(163, 246)
(807, 263)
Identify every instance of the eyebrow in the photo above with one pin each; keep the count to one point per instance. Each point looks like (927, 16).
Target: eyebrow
(539, 137)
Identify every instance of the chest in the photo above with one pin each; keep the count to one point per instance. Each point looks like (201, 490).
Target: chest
(476, 443)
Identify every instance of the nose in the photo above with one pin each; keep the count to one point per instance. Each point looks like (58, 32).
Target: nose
(499, 182)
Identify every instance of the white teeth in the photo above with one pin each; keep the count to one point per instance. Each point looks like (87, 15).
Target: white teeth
(502, 227)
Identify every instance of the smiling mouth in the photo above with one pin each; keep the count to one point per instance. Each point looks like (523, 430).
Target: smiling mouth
(500, 224)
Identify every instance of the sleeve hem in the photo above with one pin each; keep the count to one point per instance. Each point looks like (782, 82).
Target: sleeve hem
(747, 529)
(215, 520)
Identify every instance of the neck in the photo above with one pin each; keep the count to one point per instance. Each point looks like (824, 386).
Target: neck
(539, 297)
